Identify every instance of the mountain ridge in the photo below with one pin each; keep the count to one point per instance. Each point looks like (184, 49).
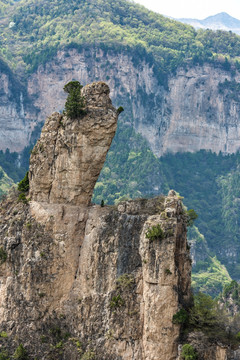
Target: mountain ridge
(220, 21)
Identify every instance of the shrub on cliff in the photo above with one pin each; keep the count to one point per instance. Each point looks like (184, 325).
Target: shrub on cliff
(188, 352)
(75, 104)
(3, 256)
(4, 355)
(181, 317)
(20, 353)
(192, 216)
(155, 233)
(23, 185)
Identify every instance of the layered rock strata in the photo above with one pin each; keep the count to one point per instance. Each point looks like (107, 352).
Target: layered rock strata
(193, 113)
(80, 281)
(190, 115)
(18, 116)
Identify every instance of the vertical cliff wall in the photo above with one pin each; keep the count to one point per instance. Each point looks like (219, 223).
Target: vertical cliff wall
(18, 116)
(195, 112)
(84, 281)
(192, 114)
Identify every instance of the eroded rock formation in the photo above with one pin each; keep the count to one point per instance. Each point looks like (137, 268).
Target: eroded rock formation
(68, 158)
(80, 281)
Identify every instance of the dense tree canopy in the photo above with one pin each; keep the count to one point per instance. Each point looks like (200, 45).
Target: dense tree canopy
(32, 32)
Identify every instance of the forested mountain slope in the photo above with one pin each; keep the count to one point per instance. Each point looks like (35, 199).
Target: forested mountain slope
(209, 184)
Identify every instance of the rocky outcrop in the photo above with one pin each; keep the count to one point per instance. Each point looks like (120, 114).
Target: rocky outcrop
(68, 158)
(92, 273)
(85, 281)
(209, 350)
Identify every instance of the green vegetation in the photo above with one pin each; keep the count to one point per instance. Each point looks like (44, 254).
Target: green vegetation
(230, 204)
(230, 298)
(230, 89)
(155, 233)
(74, 106)
(22, 198)
(232, 289)
(3, 256)
(89, 355)
(23, 185)
(11, 165)
(4, 355)
(208, 317)
(20, 353)
(116, 302)
(125, 281)
(120, 110)
(208, 274)
(126, 170)
(33, 31)
(5, 183)
(188, 352)
(208, 182)
(3, 334)
(14, 164)
(181, 317)
(204, 313)
(192, 216)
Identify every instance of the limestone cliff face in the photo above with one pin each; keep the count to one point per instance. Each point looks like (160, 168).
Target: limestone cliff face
(80, 281)
(192, 114)
(18, 116)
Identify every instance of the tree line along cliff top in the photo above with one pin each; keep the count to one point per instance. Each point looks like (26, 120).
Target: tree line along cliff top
(33, 31)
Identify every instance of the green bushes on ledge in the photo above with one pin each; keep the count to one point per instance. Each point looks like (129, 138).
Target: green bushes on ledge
(188, 352)
(155, 233)
(23, 187)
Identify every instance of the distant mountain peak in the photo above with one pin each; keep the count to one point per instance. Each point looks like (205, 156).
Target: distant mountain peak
(220, 21)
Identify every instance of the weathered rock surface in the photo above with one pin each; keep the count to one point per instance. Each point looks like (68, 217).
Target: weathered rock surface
(81, 280)
(84, 281)
(18, 116)
(68, 158)
(191, 115)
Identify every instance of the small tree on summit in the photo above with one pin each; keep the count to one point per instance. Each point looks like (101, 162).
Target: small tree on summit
(75, 104)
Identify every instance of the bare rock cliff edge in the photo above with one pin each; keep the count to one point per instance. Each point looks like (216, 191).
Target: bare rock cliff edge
(80, 281)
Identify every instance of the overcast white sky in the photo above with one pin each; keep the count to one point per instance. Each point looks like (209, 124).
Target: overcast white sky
(198, 9)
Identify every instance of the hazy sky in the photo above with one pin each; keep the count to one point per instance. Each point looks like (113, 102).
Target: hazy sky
(198, 9)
